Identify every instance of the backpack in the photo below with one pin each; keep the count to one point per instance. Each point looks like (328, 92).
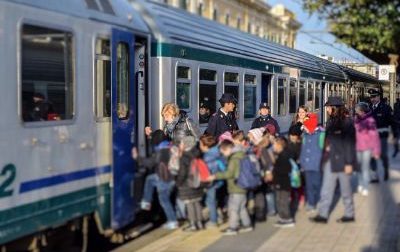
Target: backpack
(163, 158)
(198, 173)
(295, 177)
(249, 173)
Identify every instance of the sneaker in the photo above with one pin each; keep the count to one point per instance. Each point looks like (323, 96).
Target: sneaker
(319, 219)
(145, 205)
(229, 231)
(171, 225)
(364, 192)
(190, 228)
(345, 219)
(359, 189)
(284, 224)
(245, 229)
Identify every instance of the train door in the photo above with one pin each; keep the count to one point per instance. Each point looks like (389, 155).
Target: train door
(266, 87)
(123, 127)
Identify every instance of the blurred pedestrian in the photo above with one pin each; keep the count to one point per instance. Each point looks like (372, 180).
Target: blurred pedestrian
(396, 126)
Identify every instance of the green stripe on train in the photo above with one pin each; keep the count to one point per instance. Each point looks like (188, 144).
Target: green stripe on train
(30, 218)
(185, 52)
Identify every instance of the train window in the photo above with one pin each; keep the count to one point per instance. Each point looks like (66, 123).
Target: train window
(103, 78)
(250, 97)
(293, 96)
(183, 81)
(302, 92)
(122, 80)
(310, 95)
(282, 96)
(231, 85)
(47, 74)
(317, 95)
(207, 94)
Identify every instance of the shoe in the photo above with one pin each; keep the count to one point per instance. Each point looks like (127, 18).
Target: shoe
(284, 224)
(386, 178)
(171, 225)
(311, 210)
(229, 231)
(319, 219)
(364, 192)
(245, 229)
(200, 225)
(190, 228)
(145, 206)
(359, 189)
(211, 224)
(374, 181)
(345, 219)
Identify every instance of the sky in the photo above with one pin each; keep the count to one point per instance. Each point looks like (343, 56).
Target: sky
(314, 38)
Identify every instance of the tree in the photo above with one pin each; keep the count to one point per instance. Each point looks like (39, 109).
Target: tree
(370, 26)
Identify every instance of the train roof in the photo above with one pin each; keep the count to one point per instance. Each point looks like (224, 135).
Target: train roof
(117, 12)
(172, 25)
(176, 26)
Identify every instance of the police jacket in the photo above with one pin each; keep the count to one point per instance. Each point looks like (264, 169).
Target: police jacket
(383, 117)
(263, 121)
(220, 123)
(340, 144)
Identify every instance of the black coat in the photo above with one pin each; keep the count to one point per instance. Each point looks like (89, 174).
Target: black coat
(220, 123)
(262, 122)
(384, 118)
(184, 191)
(340, 137)
(282, 169)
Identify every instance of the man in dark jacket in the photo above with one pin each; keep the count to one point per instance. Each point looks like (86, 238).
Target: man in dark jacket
(224, 119)
(265, 118)
(396, 126)
(338, 159)
(383, 116)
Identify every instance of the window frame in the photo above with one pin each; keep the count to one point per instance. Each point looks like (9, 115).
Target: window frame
(284, 87)
(97, 57)
(255, 85)
(48, 25)
(189, 81)
(208, 83)
(312, 83)
(318, 86)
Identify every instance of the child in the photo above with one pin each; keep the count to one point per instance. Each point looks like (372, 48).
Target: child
(294, 148)
(281, 181)
(160, 179)
(189, 195)
(215, 163)
(310, 159)
(237, 196)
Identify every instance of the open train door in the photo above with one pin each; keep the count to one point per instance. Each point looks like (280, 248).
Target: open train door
(123, 93)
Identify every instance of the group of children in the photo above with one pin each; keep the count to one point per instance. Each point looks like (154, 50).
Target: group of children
(276, 157)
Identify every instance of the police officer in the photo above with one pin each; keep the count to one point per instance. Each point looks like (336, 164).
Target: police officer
(224, 119)
(382, 114)
(265, 118)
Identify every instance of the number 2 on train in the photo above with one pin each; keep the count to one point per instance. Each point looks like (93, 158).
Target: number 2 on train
(9, 172)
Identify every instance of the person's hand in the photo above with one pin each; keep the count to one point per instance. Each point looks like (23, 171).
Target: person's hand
(211, 178)
(348, 169)
(134, 153)
(147, 131)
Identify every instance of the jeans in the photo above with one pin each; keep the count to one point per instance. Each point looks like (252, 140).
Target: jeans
(313, 187)
(211, 202)
(271, 206)
(328, 190)
(164, 190)
(238, 211)
(283, 204)
(384, 157)
(364, 159)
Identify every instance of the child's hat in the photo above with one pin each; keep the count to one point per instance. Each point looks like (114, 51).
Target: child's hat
(311, 122)
(225, 136)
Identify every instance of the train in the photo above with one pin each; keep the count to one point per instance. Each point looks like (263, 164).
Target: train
(106, 68)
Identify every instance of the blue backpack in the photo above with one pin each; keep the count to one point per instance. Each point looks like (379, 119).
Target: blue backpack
(295, 177)
(249, 173)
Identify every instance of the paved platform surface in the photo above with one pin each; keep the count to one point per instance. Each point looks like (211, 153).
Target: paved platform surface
(377, 228)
